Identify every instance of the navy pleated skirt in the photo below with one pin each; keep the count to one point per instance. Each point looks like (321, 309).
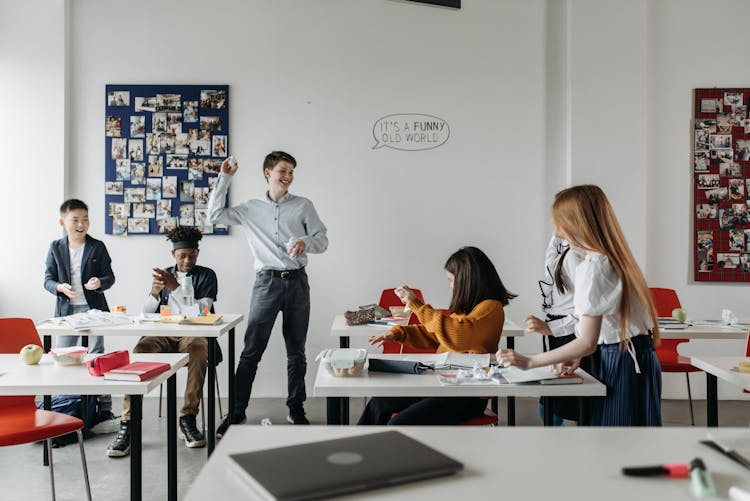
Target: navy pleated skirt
(632, 399)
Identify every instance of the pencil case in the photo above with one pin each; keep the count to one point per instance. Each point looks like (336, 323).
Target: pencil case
(103, 363)
(401, 366)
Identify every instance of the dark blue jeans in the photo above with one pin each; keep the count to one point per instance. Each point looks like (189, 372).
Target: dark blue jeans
(272, 295)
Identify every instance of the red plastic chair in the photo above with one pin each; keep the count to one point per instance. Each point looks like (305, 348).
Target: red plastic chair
(389, 298)
(666, 300)
(20, 421)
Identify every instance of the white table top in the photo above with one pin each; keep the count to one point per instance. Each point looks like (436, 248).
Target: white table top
(47, 378)
(340, 329)
(144, 328)
(704, 331)
(510, 463)
(386, 384)
(724, 368)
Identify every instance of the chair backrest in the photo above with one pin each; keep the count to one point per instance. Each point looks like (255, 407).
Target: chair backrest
(389, 298)
(15, 333)
(665, 300)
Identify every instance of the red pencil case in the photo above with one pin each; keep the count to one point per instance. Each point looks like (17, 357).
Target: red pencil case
(103, 363)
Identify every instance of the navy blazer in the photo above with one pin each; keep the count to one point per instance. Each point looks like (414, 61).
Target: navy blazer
(94, 263)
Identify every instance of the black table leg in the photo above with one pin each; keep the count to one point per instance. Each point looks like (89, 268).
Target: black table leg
(47, 345)
(712, 404)
(136, 461)
(333, 410)
(230, 362)
(343, 401)
(172, 438)
(211, 431)
(344, 342)
(549, 416)
(510, 343)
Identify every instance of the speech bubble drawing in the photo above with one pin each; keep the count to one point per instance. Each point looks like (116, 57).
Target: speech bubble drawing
(410, 132)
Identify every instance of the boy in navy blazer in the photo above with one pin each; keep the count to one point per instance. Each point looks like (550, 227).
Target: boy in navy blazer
(78, 270)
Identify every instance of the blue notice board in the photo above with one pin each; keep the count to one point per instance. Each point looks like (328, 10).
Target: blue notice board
(163, 149)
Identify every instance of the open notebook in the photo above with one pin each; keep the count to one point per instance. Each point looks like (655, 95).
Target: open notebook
(541, 375)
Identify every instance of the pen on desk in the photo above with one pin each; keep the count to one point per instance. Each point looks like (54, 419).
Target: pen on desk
(700, 480)
(737, 494)
(727, 451)
(662, 470)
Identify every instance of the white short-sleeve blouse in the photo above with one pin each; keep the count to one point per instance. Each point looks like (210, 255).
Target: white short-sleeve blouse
(598, 291)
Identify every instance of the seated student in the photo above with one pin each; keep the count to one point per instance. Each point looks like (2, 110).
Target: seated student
(474, 326)
(185, 252)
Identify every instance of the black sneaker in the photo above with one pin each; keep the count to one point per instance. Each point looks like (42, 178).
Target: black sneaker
(297, 415)
(193, 437)
(120, 446)
(224, 426)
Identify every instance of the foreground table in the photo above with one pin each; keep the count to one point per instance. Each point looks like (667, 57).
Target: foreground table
(579, 463)
(17, 378)
(385, 384)
(726, 369)
(143, 328)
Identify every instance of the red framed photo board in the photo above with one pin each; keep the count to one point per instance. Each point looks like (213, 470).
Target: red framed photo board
(721, 185)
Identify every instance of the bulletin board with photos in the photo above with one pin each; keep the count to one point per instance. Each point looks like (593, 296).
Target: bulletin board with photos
(721, 185)
(164, 145)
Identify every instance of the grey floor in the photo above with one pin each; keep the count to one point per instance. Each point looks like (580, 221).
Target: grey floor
(24, 477)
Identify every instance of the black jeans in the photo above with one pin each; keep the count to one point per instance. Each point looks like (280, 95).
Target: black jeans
(421, 410)
(271, 295)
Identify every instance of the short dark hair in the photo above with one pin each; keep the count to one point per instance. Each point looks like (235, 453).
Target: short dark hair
(275, 157)
(188, 236)
(475, 280)
(72, 204)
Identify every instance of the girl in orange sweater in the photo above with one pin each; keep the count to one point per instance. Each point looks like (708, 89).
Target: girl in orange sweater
(474, 325)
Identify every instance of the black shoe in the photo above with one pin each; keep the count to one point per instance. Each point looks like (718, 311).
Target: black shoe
(224, 426)
(297, 415)
(63, 440)
(193, 437)
(120, 446)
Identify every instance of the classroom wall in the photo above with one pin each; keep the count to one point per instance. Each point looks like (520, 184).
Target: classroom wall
(538, 95)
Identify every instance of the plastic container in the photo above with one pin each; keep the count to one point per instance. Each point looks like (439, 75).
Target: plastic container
(73, 355)
(343, 361)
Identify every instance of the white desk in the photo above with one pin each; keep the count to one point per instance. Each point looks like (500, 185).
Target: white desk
(17, 378)
(228, 322)
(339, 329)
(704, 331)
(511, 464)
(386, 384)
(724, 368)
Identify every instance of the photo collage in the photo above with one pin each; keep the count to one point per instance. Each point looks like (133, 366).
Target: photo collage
(164, 145)
(721, 185)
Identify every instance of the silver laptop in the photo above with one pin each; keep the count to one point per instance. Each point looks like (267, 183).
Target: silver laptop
(340, 466)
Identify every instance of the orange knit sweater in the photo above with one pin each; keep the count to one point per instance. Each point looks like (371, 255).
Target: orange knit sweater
(477, 332)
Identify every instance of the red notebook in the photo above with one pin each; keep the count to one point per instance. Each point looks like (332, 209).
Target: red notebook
(137, 371)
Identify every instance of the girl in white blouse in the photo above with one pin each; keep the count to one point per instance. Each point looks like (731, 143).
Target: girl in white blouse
(617, 319)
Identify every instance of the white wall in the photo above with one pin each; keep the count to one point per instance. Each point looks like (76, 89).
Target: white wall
(538, 94)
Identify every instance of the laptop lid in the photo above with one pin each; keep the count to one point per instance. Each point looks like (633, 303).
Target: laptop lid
(339, 466)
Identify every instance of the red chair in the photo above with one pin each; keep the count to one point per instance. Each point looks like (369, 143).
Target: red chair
(666, 300)
(389, 298)
(20, 421)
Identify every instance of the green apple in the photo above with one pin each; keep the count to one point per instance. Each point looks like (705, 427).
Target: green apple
(31, 354)
(679, 314)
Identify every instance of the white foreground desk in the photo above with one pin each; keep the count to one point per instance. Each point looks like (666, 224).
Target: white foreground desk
(508, 463)
(339, 329)
(46, 378)
(143, 328)
(386, 384)
(726, 369)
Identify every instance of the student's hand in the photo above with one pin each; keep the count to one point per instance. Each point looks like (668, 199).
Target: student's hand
(534, 324)
(567, 368)
(93, 284)
(378, 340)
(227, 169)
(67, 290)
(511, 358)
(405, 294)
(297, 248)
(162, 278)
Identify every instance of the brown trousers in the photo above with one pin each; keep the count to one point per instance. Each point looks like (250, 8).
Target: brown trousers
(197, 347)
